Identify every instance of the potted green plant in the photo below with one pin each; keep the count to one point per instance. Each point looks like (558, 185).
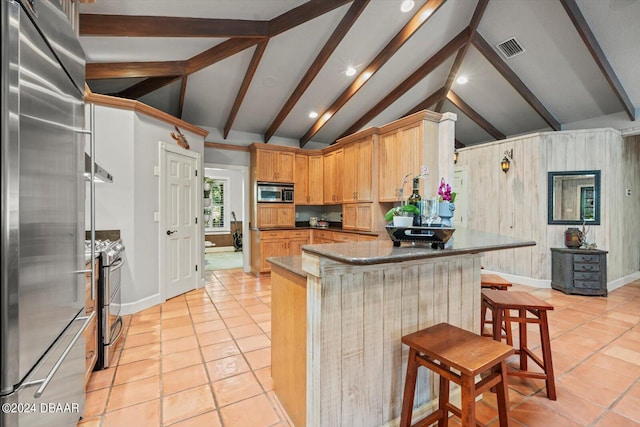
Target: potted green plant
(398, 215)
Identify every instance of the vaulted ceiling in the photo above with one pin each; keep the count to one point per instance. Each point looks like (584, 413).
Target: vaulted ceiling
(261, 66)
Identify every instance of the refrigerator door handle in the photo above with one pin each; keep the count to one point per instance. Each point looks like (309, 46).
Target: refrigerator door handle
(45, 382)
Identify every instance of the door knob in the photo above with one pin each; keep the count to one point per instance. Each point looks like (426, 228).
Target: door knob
(169, 232)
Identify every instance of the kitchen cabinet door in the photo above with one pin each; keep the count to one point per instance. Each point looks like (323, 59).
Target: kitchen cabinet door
(301, 186)
(271, 248)
(357, 216)
(400, 154)
(275, 215)
(316, 184)
(358, 173)
(285, 166)
(329, 167)
(295, 245)
(275, 166)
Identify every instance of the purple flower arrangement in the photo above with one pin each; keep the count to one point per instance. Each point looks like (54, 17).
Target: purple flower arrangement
(445, 192)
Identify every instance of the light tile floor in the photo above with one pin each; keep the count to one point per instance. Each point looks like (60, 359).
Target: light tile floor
(203, 359)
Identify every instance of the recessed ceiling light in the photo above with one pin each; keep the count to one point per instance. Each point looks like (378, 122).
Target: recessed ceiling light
(313, 114)
(462, 80)
(350, 71)
(406, 6)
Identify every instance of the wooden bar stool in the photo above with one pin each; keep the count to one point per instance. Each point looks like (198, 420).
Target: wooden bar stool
(500, 303)
(446, 350)
(493, 281)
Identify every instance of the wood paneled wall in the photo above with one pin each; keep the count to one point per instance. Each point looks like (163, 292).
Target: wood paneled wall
(515, 203)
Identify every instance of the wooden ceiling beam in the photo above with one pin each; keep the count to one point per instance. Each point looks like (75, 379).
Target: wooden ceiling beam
(417, 20)
(121, 70)
(425, 69)
(146, 86)
(474, 115)
(455, 67)
(168, 26)
(217, 53)
(434, 98)
(590, 41)
(325, 53)
(244, 87)
(301, 14)
(487, 51)
(183, 91)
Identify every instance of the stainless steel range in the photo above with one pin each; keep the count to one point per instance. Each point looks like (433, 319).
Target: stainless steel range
(109, 320)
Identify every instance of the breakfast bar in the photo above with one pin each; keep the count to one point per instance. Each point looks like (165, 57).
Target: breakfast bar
(340, 310)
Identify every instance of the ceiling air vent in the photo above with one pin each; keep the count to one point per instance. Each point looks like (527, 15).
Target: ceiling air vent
(510, 48)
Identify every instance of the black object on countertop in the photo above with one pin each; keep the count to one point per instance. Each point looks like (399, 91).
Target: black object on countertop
(436, 234)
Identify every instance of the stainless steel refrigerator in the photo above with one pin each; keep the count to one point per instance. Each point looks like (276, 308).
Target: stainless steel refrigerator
(42, 351)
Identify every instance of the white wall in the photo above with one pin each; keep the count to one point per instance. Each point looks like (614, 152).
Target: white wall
(127, 145)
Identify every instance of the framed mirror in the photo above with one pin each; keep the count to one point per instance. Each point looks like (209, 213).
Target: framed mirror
(574, 197)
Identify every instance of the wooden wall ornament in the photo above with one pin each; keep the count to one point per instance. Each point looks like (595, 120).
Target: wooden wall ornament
(180, 138)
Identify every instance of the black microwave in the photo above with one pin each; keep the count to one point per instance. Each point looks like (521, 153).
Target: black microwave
(269, 192)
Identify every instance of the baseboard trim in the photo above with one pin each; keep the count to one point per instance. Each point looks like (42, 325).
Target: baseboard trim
(137, 306)
(522, 280)
(618, 283)
(543, 283)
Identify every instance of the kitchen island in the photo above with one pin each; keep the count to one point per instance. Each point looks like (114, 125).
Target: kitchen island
(340, 310)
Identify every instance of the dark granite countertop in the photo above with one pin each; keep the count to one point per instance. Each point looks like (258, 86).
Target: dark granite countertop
(290, 263)
(463, 241)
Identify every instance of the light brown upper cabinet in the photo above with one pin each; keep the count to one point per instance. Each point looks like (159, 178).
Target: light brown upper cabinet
(358, 175)
(275, 166)
(333, 168)
(301, 186)
(357, 216)
(275, 215)
(424, 138)
(309, 182)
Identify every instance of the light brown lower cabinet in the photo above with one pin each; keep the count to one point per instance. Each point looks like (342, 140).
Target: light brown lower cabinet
(274, 243)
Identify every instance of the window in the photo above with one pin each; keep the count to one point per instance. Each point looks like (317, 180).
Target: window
(216, 218)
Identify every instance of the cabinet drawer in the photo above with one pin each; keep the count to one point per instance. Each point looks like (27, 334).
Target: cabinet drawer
(299, 233)
(345, 237)
(582, 266)
(273, 234)
(586, 258)
(323, 234)
(583, 275)
(586, 284)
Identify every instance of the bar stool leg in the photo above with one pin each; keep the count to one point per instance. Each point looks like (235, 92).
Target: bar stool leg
(468, 400)
(507, 329)
(523, 341)
(546, 355)
(409, 389)
(443, 400)
(502, 393)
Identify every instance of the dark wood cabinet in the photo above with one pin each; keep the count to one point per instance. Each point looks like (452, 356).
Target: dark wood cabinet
(579, 271)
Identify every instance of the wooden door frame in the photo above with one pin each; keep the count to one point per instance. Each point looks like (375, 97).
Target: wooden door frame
(197, 202)
(246, 241)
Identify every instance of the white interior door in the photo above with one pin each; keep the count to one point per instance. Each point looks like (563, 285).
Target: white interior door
(181, 229)
(461, 214)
